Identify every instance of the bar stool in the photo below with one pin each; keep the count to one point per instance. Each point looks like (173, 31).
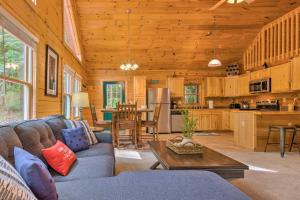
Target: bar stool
(282, 132)
(293, 138)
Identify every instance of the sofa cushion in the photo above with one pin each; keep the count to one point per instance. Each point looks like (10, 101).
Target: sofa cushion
(149, 185)
(56, 123)
(104, 137)
(8, 140)
(97, 150)
(75, 139)
(87, 168)
(60, 157)
(35, 135)
(35, 174)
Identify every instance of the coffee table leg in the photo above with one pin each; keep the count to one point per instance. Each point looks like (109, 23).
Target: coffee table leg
(155, 165)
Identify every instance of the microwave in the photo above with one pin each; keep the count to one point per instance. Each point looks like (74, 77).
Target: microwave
(260, 86)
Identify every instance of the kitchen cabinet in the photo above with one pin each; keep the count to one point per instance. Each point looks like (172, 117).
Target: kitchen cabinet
(139, 91)
(231, 86)
(260, 74)
(295, 82)
(243, 85)
(244, 129)
(210, 119)
(226, 120)
(176, 86)
(215, 87)
(281, 78)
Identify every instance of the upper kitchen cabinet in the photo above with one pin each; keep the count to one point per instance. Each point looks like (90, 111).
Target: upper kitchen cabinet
(281, 77)
(243, 85)
(139, 90)
(295, 84)
(215, 87)
(176, 86)
(231, 86)
(260, 74)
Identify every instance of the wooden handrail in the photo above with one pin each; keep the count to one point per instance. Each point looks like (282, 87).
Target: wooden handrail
(276, 43)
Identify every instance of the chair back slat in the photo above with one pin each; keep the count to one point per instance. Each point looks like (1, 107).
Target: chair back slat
(157, 113)
(127, 112)
(94, 114)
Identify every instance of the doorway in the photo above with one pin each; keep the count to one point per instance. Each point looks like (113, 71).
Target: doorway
(113, 93)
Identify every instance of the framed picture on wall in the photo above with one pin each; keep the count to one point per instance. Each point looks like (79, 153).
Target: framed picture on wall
(51, 85)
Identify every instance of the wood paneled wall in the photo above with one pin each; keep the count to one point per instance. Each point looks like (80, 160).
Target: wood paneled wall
(276, 43)
(45, 21)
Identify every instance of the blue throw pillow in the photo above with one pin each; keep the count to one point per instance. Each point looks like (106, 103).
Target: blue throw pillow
(75, 139)
(35, 174)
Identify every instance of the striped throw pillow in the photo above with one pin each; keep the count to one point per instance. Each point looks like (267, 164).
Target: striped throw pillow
(88, 132)
(12, 185)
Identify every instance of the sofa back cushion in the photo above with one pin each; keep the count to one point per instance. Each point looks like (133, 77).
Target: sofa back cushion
(56, 123)
(35, 135)
(8, 140)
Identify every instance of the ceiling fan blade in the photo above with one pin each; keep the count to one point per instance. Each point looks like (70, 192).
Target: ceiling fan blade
(217, 5)
(249, 1)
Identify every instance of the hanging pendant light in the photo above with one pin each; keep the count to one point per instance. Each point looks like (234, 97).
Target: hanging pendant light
(234, 1)
(129, 65)
(214, 62)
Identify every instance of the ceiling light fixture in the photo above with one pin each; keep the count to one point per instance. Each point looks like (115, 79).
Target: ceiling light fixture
(129, 65)
(234, 1)
(214, 62)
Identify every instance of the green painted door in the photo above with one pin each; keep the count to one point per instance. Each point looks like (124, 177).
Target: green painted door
(113, 92)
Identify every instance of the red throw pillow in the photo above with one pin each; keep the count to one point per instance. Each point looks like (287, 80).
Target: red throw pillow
(60, 157)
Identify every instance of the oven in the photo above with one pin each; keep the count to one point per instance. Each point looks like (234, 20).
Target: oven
(260, 86)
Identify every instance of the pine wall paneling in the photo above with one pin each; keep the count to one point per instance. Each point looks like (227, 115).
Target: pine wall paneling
(45, 21)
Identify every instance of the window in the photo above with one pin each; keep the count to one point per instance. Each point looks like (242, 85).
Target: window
(15, 78)
(191, 94)
(72, 84)
(70, 31)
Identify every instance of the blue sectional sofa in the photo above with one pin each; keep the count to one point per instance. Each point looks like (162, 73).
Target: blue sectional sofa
(92, 176)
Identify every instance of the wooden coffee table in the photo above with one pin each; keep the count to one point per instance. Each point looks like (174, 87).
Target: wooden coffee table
(210, 160)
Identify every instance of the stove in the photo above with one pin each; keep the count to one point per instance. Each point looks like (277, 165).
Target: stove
(270, 105)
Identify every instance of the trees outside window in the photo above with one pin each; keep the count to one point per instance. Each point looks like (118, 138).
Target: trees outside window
(191, 94)
(15, 77)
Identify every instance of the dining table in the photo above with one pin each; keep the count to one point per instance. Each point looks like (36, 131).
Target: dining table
(139, 113)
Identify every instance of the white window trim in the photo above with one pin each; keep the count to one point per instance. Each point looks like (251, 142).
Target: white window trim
(74, 77)
(9, 23)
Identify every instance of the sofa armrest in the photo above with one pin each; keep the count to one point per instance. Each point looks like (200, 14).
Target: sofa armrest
(103, 137)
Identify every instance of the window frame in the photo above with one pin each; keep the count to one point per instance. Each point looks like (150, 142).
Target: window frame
(27, 81)
(72, 87)
(192, 94)
(67, 5)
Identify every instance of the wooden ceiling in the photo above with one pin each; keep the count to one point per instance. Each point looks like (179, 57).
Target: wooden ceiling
(171, 34)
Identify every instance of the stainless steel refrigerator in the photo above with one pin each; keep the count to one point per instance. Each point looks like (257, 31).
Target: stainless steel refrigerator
(160, 96)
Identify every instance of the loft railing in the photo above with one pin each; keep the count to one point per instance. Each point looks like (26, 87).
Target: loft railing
(276, 43)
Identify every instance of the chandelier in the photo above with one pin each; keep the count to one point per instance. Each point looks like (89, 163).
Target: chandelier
(215, 62)
(129, 65)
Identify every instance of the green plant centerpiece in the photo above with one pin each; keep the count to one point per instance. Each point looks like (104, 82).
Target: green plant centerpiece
(188, 129)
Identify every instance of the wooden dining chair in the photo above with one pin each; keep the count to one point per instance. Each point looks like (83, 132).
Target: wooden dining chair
(101, 123)
(127, 119)
(152, 124)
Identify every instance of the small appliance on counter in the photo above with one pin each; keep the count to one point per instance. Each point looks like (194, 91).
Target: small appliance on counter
(271, 105)
(210, 104)
(245, 105)
(235, 106)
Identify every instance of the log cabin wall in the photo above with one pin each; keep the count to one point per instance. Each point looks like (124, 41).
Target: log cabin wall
(276, 43)
(45, 21)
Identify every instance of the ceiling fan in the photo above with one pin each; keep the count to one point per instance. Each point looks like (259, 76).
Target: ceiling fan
(221, 2)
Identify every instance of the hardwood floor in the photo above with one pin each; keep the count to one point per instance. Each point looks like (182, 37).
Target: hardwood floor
(269, 177)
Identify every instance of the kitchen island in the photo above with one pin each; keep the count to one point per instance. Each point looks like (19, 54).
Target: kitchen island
(251, 127)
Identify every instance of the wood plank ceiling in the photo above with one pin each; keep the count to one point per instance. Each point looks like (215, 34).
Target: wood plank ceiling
(171, 34)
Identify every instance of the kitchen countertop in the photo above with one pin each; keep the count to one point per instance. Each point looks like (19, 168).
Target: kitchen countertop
(257, 112)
